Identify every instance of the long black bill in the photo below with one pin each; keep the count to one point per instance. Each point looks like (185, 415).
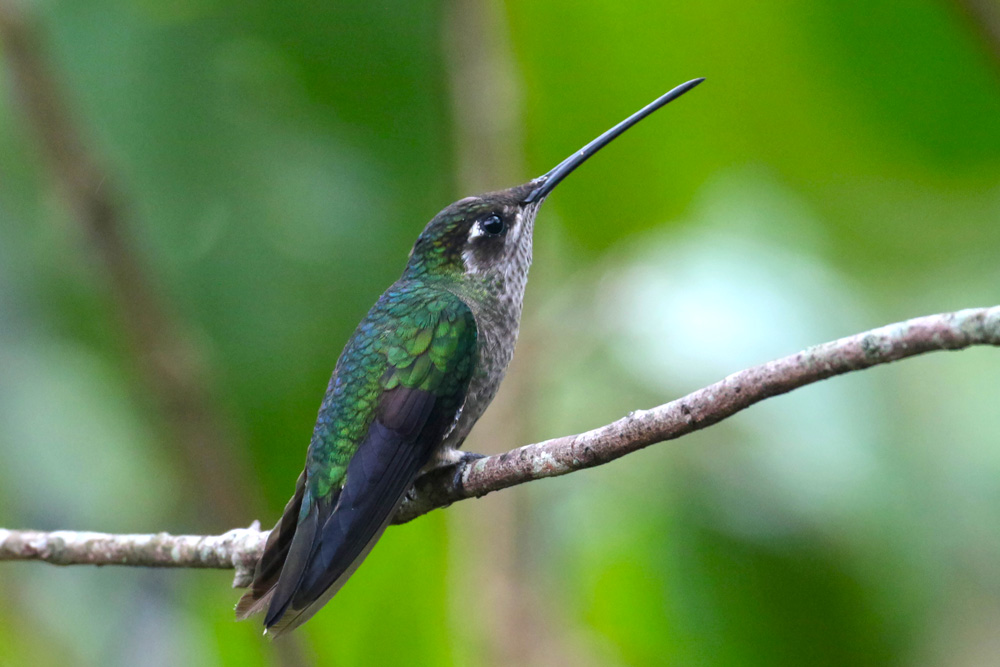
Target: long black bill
(544, 184)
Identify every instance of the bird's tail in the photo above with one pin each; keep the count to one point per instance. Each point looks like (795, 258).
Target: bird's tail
(268, 569)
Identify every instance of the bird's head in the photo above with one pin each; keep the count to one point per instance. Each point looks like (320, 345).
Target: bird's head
(490, 235)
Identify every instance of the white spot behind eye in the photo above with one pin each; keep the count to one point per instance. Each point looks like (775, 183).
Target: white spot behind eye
(515, 229)
(475, 231)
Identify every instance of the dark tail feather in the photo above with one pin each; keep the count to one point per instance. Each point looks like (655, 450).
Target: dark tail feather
(338, 531)
(300, 552)
(268, 569)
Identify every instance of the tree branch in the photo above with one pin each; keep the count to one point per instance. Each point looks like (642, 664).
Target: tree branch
(239, 548)
(440, 487)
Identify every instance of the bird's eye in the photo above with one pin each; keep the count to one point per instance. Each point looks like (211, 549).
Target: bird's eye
(493, 225)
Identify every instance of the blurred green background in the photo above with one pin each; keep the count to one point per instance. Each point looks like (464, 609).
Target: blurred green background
(839, 170)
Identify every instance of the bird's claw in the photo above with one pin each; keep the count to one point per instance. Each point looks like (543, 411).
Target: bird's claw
(461, 465)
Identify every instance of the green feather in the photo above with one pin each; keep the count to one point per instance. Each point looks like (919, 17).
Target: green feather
(420, 336)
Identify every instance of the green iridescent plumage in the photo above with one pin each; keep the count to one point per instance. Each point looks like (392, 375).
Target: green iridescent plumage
(396, 392)
(418, 336)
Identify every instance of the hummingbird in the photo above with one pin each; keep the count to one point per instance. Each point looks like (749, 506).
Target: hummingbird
(417, 373)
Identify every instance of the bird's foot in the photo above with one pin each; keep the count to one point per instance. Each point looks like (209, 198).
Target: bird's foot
(448, 464)
(463, 462)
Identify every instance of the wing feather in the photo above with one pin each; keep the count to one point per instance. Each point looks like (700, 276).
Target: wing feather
(326, 531)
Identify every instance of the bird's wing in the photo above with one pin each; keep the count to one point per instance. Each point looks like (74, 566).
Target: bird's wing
(375, 432)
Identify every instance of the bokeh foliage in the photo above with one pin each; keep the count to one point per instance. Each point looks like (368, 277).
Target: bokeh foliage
(840, 169)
